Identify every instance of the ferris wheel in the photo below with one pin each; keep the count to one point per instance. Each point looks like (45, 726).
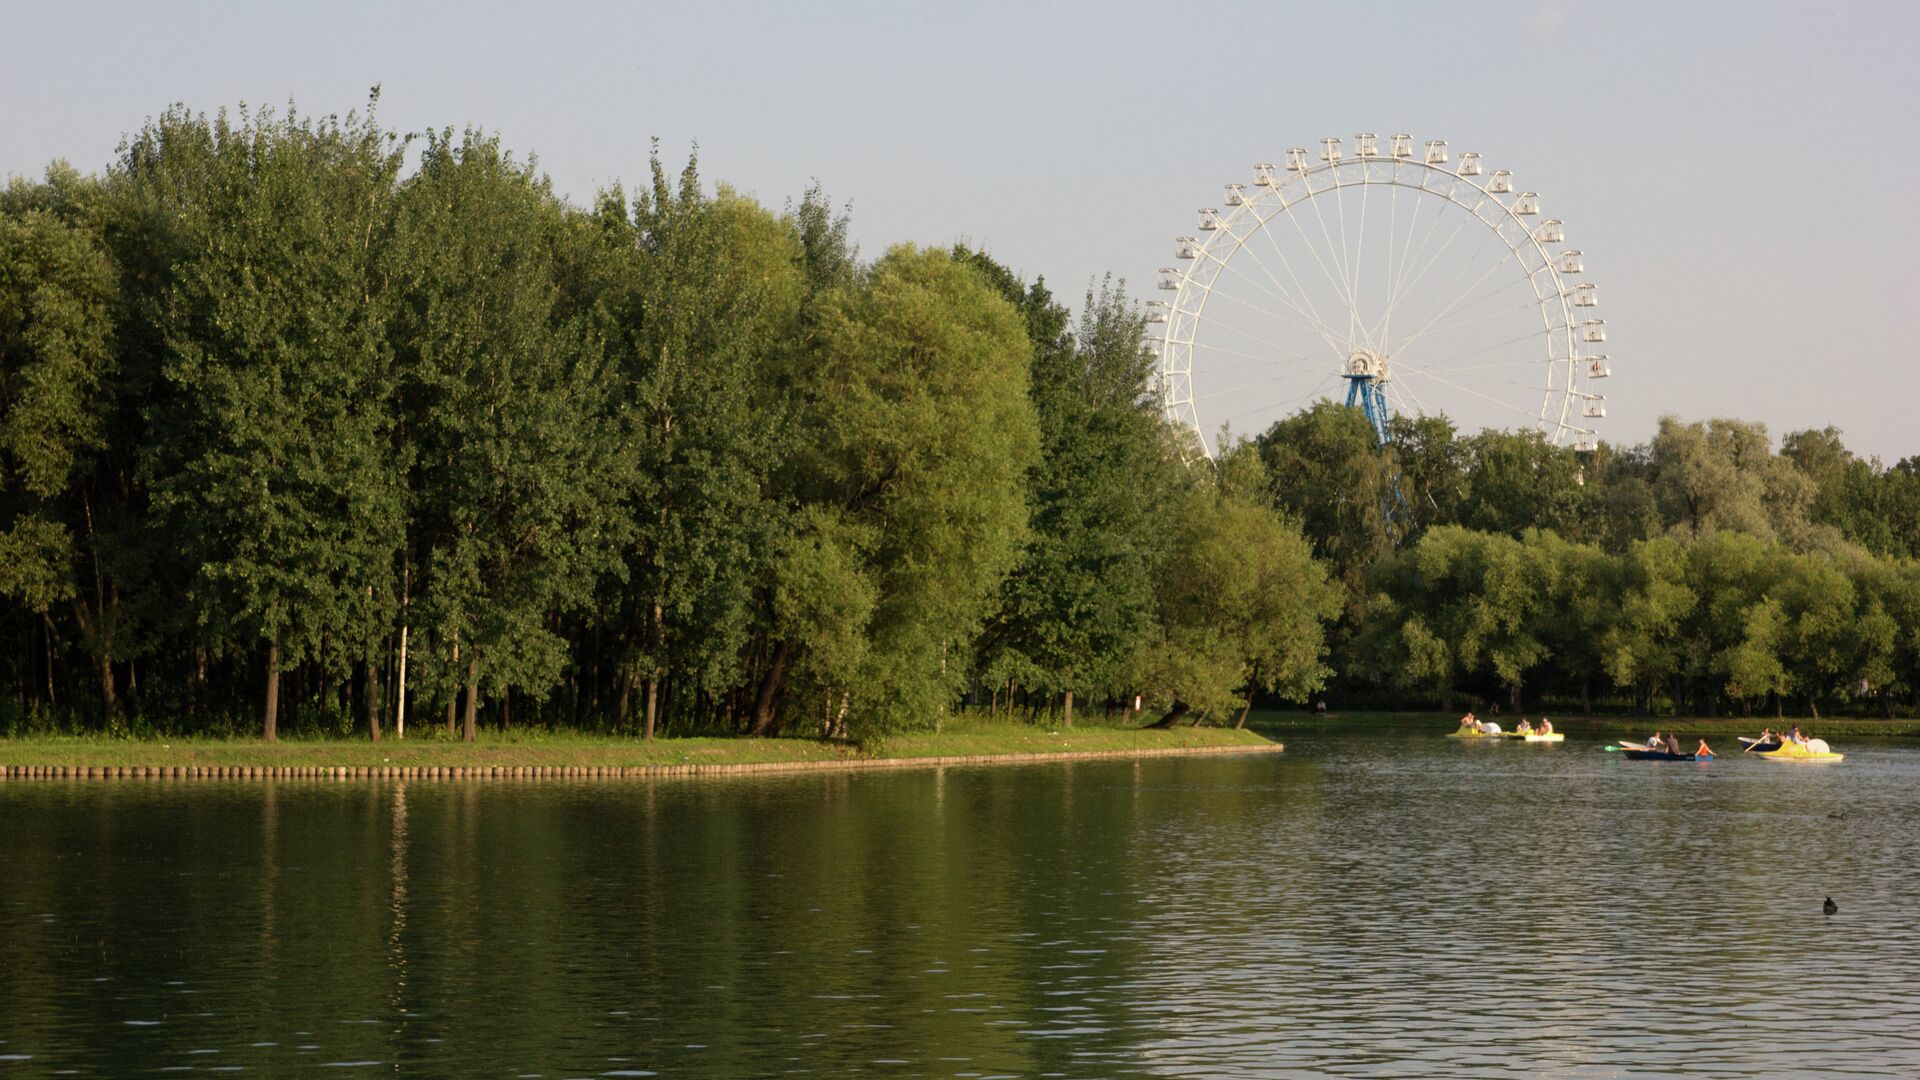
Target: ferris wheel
(1397, 278)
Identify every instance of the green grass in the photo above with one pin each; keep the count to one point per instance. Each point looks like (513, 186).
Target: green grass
(1282, 723)
(962, 736)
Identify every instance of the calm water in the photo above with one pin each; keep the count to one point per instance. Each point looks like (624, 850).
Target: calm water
(1399, 907)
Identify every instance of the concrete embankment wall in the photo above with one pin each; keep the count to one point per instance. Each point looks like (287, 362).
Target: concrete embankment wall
(582, 772)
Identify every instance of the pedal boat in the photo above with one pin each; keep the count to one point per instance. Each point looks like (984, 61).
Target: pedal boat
(1477, 735)
(1536, 736)
(1814, 752)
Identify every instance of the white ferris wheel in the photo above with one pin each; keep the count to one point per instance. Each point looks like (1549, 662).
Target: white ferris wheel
(1398, 278)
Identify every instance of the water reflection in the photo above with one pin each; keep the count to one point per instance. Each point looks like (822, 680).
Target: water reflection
(1411, 907)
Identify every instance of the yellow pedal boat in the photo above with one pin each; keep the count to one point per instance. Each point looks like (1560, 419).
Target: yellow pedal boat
(1815, 751)
(1536, 736)
(1476, 735)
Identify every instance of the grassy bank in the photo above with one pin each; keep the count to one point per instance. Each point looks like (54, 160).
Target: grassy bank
(963, 737)
(1280, 724)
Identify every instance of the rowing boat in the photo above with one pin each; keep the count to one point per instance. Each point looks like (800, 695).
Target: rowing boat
(1641, 753)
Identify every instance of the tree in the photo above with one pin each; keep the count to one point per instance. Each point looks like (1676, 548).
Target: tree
(1243, 604)
(918, 401)
(1327, 473)
(508, 432)
(1079, 603)
(708, 315)
(270, 457)
(57, 292)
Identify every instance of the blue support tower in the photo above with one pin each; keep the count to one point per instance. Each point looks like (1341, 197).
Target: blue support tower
(1366, 377)
(1366, 391)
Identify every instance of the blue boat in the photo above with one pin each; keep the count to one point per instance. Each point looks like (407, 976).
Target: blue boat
(1644, 754)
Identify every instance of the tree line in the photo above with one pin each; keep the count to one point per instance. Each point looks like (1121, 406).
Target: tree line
(304, 421)
(308, 423)
(1702, 572)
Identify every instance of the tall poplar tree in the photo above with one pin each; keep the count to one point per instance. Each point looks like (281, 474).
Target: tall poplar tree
(507, 427)
(270, 464)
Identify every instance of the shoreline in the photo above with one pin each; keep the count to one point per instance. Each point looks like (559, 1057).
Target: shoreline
(522, 758)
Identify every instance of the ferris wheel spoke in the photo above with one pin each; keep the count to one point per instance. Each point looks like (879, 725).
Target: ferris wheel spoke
(1440, 365)
(1260, 341)
(1284, 360)
(1333, 278)
(1459, 296)
(1244, 387)
(1326, 332)
(1517, 362)
(1484, 397)
(1532, 305)
(1401, 284)
(1318, 387)
(1402, 392)
(1346, 263)
(1315, 325)
(1445, 246)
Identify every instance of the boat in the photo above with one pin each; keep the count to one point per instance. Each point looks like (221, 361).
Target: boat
(1641, 753)
(1814, 751)
(1477, 735)
(1537, 736)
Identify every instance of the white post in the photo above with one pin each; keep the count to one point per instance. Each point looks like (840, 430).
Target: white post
(400, 716)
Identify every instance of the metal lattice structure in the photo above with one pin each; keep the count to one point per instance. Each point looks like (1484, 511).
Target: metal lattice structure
(1297, 279)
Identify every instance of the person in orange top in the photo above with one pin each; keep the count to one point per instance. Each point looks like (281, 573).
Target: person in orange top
(1703, 750)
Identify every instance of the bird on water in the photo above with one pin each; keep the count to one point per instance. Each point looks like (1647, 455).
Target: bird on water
(1830, 907)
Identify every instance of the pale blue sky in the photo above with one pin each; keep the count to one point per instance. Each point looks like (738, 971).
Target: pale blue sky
(1741, 176)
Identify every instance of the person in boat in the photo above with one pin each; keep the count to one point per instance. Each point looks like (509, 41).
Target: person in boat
(1656, 742)
(1799, 739)
(1673, 744)
(1546, 726)
(1524, 727)
(1703, 750)
(1468, 723)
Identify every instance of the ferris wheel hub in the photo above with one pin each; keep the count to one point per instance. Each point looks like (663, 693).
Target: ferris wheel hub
(1366, 364)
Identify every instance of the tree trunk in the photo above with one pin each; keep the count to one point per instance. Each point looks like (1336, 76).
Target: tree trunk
(506, 708)
(1241, 723)
(469, 721)
(1813, 707)
(271, 732)
(453, 703)
(1586, 695)
(372, 702)
(656, 635)
(1180, 709)
(1068, 715)
(763, 712)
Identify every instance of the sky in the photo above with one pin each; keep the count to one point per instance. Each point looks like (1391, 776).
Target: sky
(1741, 176)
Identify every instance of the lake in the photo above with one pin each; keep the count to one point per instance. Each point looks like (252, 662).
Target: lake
(1402, 905)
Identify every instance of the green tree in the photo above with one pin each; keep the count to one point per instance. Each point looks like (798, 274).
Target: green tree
(1243, 604)
(270, 463)
(1079, 604)
(58, 290)
(709, 317)
(508, 430)
(924, 431)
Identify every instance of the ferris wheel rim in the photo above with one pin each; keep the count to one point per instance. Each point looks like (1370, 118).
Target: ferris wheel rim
(1250, 211)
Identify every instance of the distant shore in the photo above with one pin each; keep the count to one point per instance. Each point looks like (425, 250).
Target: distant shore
(1609, 725)
(530, 754)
